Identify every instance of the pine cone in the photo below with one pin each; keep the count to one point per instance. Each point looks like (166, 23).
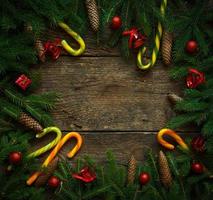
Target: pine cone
(165, 173)
(174, 99)
(167, 48)
(30, 123)
(93, 14)
(132, 170)
(40, 49)
(42, 179)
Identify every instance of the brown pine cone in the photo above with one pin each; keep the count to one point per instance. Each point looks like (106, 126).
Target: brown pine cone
(40, 49)
(174, 99)
(93, 14)
(30, 123)
(167, 48)
(164, 170)
(42, 179)
(131, 170)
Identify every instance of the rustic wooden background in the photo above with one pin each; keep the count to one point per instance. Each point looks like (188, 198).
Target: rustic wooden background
(109, 101)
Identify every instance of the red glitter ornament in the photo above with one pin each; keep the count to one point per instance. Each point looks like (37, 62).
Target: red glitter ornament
(116, 22)
(191, 47)
(15, 157)
(53, 48)
(198, 144)
(23, 82)
(194, 78)
(197, 168)
(85, 175)
(54, 182)
(144, 178)
(136, 39)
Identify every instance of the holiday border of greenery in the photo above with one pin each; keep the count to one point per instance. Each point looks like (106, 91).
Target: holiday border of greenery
(187, 19)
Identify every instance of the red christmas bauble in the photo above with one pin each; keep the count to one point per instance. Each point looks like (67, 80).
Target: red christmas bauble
(191, 47)
(54, 182)
(144, 178)
(15, 157)
(116, 22)
(197, 168)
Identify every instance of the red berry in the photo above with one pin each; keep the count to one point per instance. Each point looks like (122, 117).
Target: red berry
(15, 157)
(191, 46)
(116, 22)
(197, 168)
(54, 182)
(144, 178)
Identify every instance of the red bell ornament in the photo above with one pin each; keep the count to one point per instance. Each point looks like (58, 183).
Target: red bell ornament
(194, 78)
(23, 82)
(53, 48)
(136, 39)
(86, 175)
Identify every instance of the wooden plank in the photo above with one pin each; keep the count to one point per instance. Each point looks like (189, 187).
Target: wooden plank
(123, 144)
(108, 93)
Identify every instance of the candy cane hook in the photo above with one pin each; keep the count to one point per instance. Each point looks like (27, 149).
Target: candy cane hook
(174, 135)
(50, 145)
(57, 148)
(157, 43)
(77, 37)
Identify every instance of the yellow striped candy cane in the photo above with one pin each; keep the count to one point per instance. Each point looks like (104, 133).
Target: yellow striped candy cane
(76, 37)
(48, 146)
(157, 43)
(53, 153)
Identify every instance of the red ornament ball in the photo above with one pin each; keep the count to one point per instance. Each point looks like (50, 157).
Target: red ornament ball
(197, 168)
(116, 22)
(144, 178)
(191, 47)
(54, 182)
(15, 157)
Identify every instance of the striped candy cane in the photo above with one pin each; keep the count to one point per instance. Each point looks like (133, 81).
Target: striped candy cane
(157, 43)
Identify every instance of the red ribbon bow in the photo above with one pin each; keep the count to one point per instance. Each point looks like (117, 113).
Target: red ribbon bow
(194, 78)
(85, 175)
(53, 48)
(135, 37)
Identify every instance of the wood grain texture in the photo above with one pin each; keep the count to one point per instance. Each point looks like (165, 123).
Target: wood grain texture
(108, 93)
(123, 144)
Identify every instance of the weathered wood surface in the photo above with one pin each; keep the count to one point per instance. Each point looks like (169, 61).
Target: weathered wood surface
(109, 101)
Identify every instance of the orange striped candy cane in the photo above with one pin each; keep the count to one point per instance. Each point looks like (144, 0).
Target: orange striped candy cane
(174, 135)
(54, 152)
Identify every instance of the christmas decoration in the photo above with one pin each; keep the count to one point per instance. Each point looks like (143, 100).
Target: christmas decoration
(132, 170)
(157, 43)
(92, 10)
(30, 123)
(194, 78)
(136, 39)
(54, 182)
(42, 179)
(54, 152)
(174, 135)
(174, 99)
(191, 47)
(198, 144)
(41, 50)
(86, 175)
(167, 48)
(165, 173)
(52, 48)
(49, 146)
(23, 82)
(15, 157)
(116, 22)
(197, 168)
(76, 37)
(144, 178)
